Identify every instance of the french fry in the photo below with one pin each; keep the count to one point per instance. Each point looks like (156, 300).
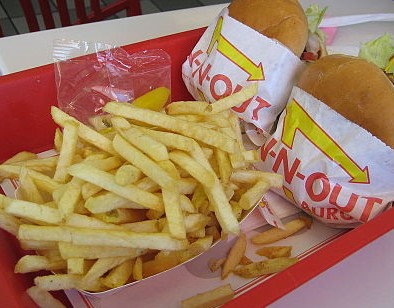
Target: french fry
(188, 108)
(91, 252)
(20, 157)
(107, 181)
(84, 132)
(234, 256)
(33, 263)
(37, 212)
(269, 266)
(78, 266)
(252, 176)
(275, 234)
(216, 264)
(146, 144)
(67, 151)
(99, 237)
(172, 207)
(100, 267)
(233, 100)
(43, 298)
(143, 162)
(9, 223)
(137, 269)
(127, 174)
(27, 189)
(272, 252)
(65, 282)
(254, 194)
(119, 275)
(109, 201)
(196, 170)
(210, 299)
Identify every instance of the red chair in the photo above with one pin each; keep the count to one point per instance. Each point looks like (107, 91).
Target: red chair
(96, 12)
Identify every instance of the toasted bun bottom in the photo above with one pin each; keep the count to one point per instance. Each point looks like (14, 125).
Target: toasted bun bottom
(283, 20)
(355, 88)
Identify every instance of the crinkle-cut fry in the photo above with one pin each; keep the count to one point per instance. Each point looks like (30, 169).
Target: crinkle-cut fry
(275, 234)
(91, 252)
(84, 132)
(187, 107)
(269, 266)
(67, 151)
(210, 299)
(107, 181)
(43, 298)
(234, 99)
(234, 256)
(99, 237)
(148, 166)
(189, 129)
(34, 263)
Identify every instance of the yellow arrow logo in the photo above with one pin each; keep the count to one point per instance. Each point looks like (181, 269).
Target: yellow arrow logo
(255, 71)
(297, 119)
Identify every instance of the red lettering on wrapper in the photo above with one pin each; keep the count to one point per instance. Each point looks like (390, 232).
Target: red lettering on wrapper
(325, 184)
(227, 83)
(288, 172)
(192, 57)
(371, 201)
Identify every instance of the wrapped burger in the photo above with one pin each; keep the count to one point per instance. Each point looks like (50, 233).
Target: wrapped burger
(250, 42)
(334, 142)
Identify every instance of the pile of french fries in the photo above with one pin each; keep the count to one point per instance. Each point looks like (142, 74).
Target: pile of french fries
(136, 194)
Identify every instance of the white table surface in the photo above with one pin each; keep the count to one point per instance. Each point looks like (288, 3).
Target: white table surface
(364, 279)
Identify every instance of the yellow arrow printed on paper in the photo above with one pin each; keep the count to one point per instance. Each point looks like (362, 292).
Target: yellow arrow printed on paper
(228, 50)
(298, 119)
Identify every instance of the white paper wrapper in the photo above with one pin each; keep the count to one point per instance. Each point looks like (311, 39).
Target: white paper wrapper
(230, 55)
(338, 173)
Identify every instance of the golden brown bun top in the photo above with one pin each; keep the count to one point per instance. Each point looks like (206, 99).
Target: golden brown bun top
(355, 88)
(283, 20)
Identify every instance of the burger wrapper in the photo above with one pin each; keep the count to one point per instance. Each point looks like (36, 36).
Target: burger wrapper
(231, 55)
(333, 169)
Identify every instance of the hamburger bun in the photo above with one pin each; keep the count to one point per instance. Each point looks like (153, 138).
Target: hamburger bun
(355, 88)
(282, 20)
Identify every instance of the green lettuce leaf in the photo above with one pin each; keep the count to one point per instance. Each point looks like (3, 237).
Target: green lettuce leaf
(315, 15)
(379, 51)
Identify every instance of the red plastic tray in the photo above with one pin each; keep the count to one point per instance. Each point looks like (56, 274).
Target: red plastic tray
(25, 100)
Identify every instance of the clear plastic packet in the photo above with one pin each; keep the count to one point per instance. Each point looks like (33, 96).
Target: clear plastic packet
(90, 74)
